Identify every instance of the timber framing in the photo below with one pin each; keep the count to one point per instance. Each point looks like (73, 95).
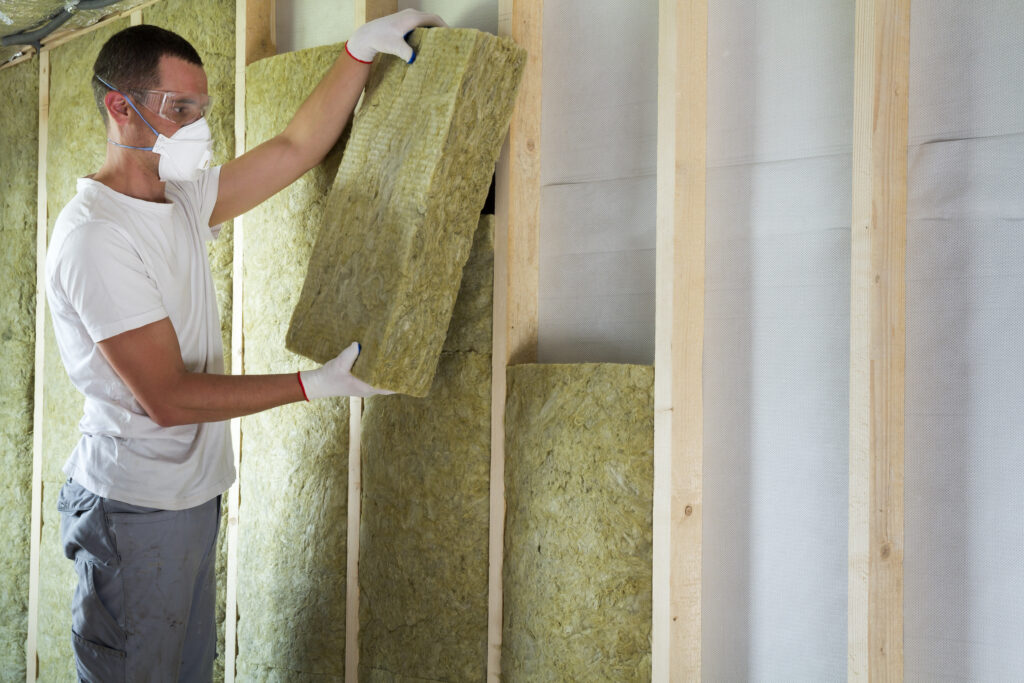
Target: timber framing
(35, 537)
(679, 339)
(516, 235)
(365, 10)
(255, 38)
(878, 340)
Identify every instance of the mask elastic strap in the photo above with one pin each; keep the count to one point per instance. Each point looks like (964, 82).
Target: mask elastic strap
(129, 101)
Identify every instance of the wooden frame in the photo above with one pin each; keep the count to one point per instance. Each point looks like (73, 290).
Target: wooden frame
(516, 235)
(355, 506)
(35, 534)
(255, 38)
(365, 10)
(679, 339)
(877, 340)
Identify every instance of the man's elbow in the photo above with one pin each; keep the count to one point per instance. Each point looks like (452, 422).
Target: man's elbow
(165, 414)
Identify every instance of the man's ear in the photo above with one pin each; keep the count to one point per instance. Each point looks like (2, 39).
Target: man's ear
(117, 107)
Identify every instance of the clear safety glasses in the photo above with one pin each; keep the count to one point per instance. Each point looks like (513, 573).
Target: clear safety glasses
(181, 108)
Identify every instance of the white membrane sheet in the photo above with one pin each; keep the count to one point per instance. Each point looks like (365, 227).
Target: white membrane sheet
(598, 157)
(964, 556)
(776, 351)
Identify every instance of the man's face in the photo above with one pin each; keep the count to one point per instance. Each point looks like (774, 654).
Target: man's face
(175, 75)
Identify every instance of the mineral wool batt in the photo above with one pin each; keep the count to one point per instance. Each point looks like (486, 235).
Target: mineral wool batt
(425, 507)
(76, 147)
(294, 468)
(404, 206)
(19, 142)
(579, 442)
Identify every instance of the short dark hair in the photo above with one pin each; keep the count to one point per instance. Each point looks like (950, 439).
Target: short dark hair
(130, 58)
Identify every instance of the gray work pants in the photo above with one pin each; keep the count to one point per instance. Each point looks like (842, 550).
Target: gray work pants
(144, 606)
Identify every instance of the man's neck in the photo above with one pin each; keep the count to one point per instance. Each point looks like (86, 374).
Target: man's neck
(124, 173)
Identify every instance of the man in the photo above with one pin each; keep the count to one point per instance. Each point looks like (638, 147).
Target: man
(135, 317)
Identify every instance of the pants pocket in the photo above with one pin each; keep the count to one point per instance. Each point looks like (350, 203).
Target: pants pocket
(92, 619)
(83, 526)
(97, 663)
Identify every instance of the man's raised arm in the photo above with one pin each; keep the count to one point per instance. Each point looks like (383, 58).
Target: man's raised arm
(265, 170)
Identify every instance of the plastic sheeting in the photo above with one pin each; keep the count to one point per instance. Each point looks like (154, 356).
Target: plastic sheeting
(598, 139)
(964, 550)
(26, 15)
(776, 349)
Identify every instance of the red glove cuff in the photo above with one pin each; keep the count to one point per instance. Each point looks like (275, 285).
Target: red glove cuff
(361, 61)
(302, 386)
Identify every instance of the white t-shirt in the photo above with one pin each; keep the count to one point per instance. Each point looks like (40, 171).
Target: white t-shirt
(116, 263)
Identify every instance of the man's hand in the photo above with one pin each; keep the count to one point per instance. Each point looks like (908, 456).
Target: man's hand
(387, 34)
(335, 378)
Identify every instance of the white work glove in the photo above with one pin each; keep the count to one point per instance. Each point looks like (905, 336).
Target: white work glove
(387, 34)
(334, 378)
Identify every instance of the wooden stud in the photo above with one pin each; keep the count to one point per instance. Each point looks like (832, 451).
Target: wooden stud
(355, 493)
(260, 35)
(35, 536)
(366, 10)
(516, 231)
(255, 38)
(519, 181)
(679, 339)
(135, 18)
(877, 340)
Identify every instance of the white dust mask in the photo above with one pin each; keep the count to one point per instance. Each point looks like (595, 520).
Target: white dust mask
(183, 155)
(187, 152)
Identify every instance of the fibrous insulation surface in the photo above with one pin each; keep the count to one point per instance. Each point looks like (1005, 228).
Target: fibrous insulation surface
(578, 492)
(404, 206)
(424, 523)
(210, 26)
(19, 141)
(294, 479)
(471, 326)
(76, 147)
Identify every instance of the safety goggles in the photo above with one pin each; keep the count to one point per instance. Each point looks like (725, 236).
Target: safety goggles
(181, 108)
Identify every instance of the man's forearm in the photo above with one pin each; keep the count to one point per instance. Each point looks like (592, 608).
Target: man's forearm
(200, 397)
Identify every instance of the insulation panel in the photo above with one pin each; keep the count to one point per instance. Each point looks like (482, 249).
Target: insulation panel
(18, 177)
(210, 27)
(404, 206)
(76, 148)
(579, 443)
(294, 491)
(425, 506)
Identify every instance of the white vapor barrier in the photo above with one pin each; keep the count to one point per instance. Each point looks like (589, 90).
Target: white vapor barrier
(598, 157)
(478, 14)
(776, 348)
(311, 23)
(964, 551)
